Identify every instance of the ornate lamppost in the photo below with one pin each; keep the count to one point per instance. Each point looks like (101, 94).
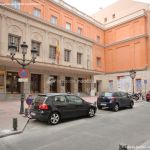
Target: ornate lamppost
(132, 75)
(23, 62)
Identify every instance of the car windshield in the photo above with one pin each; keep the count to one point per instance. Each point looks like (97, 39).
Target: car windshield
(39, 99)
(106, 94)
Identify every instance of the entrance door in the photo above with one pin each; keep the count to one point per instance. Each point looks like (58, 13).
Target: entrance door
(53, 84)
(35, 83)
(99, 86)
(68, 84)
(80, 85)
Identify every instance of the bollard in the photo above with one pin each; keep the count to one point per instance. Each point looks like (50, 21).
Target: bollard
(15, 124)
(26, 112)
(123, 147)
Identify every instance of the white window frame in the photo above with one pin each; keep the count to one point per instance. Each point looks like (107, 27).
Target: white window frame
(53, 20)
(68, 26)
(36, 12)
(16, 4)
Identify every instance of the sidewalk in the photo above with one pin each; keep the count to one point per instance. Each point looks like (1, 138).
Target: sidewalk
(8, 111)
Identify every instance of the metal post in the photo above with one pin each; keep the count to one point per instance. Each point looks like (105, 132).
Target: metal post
(133, 85)
(15, 124)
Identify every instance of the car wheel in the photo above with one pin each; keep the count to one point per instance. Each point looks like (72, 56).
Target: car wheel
(91, 112)
(54, 118)
(131, 104)
(116, 108)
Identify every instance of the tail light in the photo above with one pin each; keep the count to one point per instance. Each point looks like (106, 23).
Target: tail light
(112, 99)
(43, 107)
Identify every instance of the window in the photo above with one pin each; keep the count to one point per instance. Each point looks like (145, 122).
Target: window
(52, 52)
(98, 61)
(79, 30)
(53, 20)
(16, 4)
(74, 99)
(12, 84)
(14, 39)
(105, 19)
(59, 100)
(98, 39)
(37, 12)
(68, 26)
(79, 58)
(36, 45)
(67, 55)
(113, 16)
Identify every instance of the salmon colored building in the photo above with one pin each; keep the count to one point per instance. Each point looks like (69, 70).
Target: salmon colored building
(97, 51)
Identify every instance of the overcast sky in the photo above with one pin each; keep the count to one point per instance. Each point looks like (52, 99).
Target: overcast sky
(91, 6)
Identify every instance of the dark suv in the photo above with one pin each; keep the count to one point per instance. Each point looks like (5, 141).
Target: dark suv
(54, 107)
(114, 100)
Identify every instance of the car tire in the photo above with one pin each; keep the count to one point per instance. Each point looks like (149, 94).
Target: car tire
(131, 104)
(91, 112)
(116, 108)
(54, 118)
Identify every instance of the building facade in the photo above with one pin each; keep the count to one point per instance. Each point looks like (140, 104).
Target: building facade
(75, 52)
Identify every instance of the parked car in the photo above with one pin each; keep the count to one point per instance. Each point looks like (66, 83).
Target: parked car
(148, 96)
(53, 107)
(114, 100)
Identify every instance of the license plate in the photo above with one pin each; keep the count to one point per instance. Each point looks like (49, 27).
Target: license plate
(103, 104)
(33, 114)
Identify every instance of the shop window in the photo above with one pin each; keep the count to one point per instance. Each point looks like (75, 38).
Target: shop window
(35, 44)
(14, 39)
(16, 4)
(12, 84)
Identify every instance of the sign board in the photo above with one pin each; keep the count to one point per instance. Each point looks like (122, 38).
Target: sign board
(23, 73)
(22, 79)
(145, 81)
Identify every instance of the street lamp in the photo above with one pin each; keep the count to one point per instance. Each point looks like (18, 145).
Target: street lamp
(23, 62)
(132, 75)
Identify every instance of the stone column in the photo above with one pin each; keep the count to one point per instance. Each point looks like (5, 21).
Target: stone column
(45, 83)
(61, 84)
(74, 85)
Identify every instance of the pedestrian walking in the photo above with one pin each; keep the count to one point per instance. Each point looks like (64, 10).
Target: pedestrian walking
(29, 101)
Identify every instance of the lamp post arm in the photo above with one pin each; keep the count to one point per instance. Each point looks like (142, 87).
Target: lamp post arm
(17, 60)
(28, 63)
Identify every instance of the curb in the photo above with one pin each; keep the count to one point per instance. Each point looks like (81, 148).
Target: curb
(15, 132)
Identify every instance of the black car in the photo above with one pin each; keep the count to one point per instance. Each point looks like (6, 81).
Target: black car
(114, 100)
(54, 107)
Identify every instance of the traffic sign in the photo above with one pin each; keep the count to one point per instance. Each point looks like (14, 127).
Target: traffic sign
(23, 73)
(22, 79)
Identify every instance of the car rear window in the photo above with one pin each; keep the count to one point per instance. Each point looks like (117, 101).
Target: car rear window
(40, 99)
(106, 94)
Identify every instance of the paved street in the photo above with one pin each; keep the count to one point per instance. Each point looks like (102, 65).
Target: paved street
(103, 132)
